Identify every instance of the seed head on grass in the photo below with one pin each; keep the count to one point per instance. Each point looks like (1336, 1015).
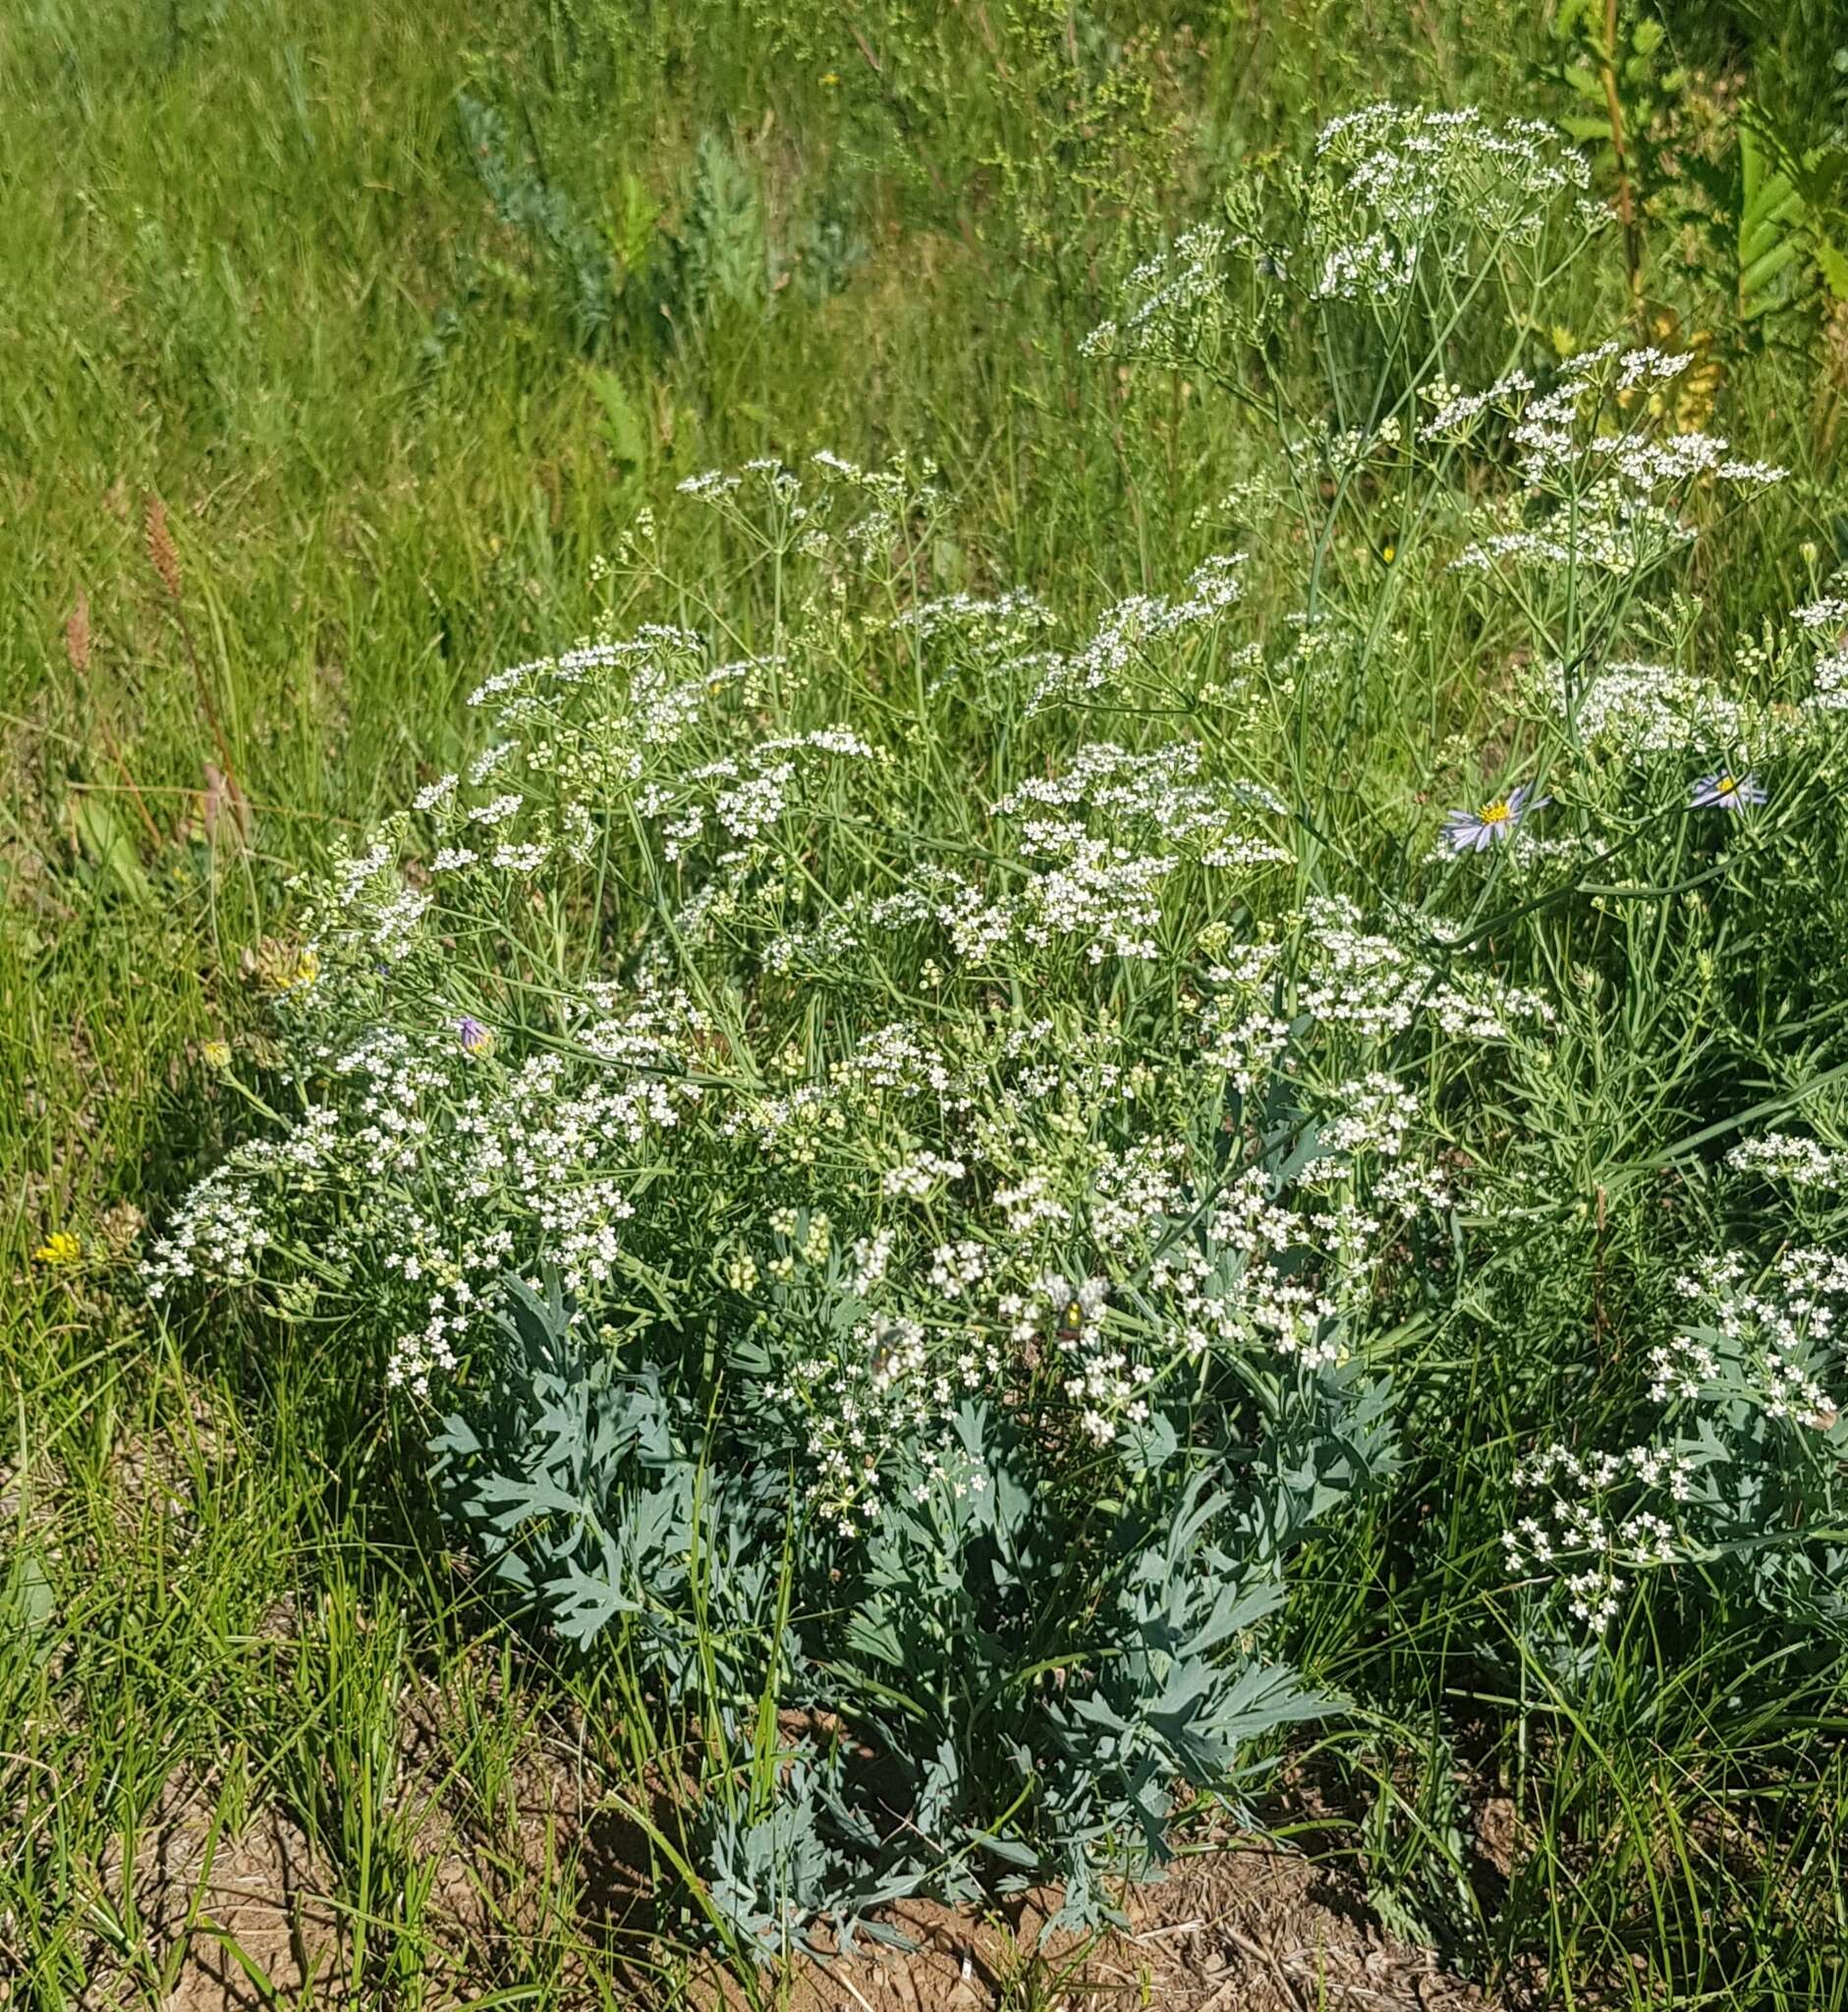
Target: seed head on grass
(77, 634)
(161, 553)
(165, 560)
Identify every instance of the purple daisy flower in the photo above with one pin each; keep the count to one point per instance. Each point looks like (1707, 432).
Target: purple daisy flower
(476, 1039)
(1726, 791)
(1475, 831)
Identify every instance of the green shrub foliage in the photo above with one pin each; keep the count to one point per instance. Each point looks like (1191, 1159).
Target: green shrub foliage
(912, 1146)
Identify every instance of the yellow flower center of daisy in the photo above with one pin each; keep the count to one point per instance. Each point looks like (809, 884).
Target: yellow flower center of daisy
(1723, 786)
(1497, 813)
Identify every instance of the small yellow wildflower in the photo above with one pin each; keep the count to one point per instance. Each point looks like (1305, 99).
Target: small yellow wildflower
(216, 1054)
(60, 1252)
(830, 79)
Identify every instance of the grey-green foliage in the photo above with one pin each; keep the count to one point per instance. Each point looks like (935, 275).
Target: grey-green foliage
(727, 254)
(803, 1852)
(1025, 1672)
(526, 198)
(578, 1481)
(629, 278)
(724, 249)
(1766, 1496)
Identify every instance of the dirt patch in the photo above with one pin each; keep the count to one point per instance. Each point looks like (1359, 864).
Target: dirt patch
(537, 1876)
(222, 1917)
(251, 1911)
(1248, 1927)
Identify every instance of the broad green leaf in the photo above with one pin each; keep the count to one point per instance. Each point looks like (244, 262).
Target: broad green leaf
(102, 837)
(623, 431)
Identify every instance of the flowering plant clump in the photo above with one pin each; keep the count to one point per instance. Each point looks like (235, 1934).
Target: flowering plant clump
(962, 1207)
(1744, 1476)
(918, 1232)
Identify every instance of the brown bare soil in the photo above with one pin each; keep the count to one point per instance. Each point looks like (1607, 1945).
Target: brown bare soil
(1249, 1928)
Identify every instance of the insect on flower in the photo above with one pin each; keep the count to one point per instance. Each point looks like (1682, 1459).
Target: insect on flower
(283, 968)
(1475, 831)
(1725, 792)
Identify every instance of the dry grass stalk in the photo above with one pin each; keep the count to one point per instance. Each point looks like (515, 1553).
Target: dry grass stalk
(222, 780)
(77, 649)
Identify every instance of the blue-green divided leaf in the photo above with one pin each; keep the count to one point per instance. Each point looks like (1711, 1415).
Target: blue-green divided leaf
(874, 1634)
(1236, 1609)
(1205, 1720)
(1095, 1711)
(1009, 1850)
(584, 1606)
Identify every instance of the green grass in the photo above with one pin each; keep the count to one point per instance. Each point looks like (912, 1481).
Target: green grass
(251, 263)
